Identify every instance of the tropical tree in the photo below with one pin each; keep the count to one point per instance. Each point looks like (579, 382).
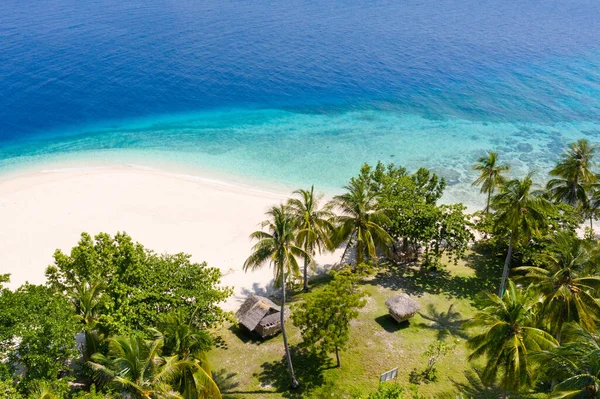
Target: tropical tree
(42, 390)
(590, 207)
(86, 299)
(190, 345)
(139, 285)
(573, 172)
(134, 367)
(521, 211)
(360, 221)
(277, 247)
(506, 336)
(567, 291)
(575, 365)
(490, 175)
(324, 317)
(314, 224)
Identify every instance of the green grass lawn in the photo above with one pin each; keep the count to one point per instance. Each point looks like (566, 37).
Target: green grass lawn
(247, 367)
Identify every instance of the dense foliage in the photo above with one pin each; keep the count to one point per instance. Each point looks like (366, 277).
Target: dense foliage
(116, 315)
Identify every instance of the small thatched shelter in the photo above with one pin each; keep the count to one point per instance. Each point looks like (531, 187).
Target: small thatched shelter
(402, 307)
(260, 315)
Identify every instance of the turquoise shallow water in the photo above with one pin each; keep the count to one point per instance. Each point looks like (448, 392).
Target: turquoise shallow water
(286, 150)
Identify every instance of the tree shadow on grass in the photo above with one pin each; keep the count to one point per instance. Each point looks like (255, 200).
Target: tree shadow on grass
(416, 280)
(225, 380)
(474, 388)
(487, 264)
(390, 325)
(309, 369)
(446, 324)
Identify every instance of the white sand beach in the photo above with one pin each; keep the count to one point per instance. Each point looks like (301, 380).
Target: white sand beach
(210, 220)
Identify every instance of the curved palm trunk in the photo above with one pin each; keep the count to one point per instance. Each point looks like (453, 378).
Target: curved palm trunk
(506, 266)
(294, 381)
(487, 206)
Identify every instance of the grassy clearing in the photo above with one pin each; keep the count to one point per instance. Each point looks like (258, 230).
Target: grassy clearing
(248, 367)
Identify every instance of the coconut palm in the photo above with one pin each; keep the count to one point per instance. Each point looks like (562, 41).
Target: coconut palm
(86, 298)
(490, 175)
(573, 171)
(313, 223)
(194, 379)
(567, 292)
(520, 210)
(135, 368)
(506, 337)
(360, 221)
(590, 206)
(42, 390)
(575, 365)
(278, 248)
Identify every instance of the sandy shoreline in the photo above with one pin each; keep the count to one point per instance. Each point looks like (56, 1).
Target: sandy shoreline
(209, 219)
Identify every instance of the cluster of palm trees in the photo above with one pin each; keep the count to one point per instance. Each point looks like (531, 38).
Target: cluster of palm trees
(521, 208)
(305, 226)
(551, 317)
(546, 327)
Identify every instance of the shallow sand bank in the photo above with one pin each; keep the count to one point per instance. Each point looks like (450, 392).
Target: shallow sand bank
(208, 219)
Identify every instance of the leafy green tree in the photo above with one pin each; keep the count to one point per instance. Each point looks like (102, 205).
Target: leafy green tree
(449, 232)
(8, 390)
(388, 391)
(573, 172)
(360, 221)
(314, 224)
(491, 175)
(522, 211)
(134, 367)
(324, 317)
(138, 285)
(277, 247)
(506, 336)
(575, 365)
(404, 197)
(38, 331)
(567, 291)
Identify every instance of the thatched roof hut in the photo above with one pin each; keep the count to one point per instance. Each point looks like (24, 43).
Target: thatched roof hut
(402, 307)
(260, 315)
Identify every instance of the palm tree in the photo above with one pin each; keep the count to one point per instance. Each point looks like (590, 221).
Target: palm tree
(42, 390)
(135, 368)
(590, 205)
(506, 337)
(360, 220)
(567, 292)
(190, 345)
(277, 247)
(572, 172)
(313, 224)
(521, 211)
(575, 365)
(490, 177)
(86, 298)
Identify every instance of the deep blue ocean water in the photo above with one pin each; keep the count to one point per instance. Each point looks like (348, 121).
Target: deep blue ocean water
(297, 92)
